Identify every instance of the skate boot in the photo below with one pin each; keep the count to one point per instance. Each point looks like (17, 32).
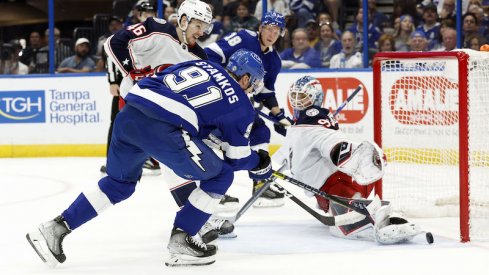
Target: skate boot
(270, 198)
(186, 250)
(228, 204)
(151, 168)
(47, 241)
(216, 227)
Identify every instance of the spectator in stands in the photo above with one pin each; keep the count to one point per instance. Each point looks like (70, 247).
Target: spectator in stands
(173, 18)
(61, 50)
(9, 59)
(477, 10)
(475, 42)
(447, 9)
(403, 7)
(449, 40)
(169, 10)
(348, 57)
(283, 42)
(379, 19)
(81, 62)
(403, 34)
(357, 30)
(333, 7)
(312, 29)
(301, 55)
(304, 10)
(430, 27)
(324, 17)
(470, 26)
(418, 42)
(28, 55)
(280, 6)
(387, 43)
(115, 24)
(242, 20)
(329, 44)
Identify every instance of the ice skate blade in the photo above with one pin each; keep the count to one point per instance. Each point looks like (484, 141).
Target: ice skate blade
(267, 203)
(38, 243)
(231, 235)
(178, 260)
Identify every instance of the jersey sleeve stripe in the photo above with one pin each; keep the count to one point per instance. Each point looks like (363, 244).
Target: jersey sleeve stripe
(170, 105)
(236, 152)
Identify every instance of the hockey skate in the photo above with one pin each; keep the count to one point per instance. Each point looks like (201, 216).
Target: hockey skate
(47, 241)
(217, 227)
(228, 204)
(151, 168)
(186, 250)
(270, 198)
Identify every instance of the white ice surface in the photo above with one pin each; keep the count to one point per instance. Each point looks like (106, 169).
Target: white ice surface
(131, 237)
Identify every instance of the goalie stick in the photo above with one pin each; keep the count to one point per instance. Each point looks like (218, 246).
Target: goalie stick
(343, 219)
(357, 205)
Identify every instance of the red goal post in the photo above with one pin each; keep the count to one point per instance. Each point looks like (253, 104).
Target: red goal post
(431, 117)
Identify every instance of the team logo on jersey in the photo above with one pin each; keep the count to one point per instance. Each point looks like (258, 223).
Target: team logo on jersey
(248, 131)
(312, 112)
(336, 90)
(425, 100)
(22, 107)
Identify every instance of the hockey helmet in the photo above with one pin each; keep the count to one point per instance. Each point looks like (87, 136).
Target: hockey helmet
(145, 6)
(304, 92)
(195, 9)
(275, 19)
(246, 62)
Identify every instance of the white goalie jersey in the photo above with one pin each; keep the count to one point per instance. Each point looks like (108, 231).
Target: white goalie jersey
(306, 150)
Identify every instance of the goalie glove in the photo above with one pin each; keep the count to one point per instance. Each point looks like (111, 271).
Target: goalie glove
(264, 168)
(284, 122)
(365, 162)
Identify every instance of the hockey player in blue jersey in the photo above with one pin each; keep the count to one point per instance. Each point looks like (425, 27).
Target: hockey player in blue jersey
(261, 42)
(145, 48)
(168, 117)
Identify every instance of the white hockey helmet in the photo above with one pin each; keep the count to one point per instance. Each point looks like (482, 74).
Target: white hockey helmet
(304, 92)
(195, 9)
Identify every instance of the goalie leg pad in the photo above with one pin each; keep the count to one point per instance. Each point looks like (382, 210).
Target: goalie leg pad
(392, 229)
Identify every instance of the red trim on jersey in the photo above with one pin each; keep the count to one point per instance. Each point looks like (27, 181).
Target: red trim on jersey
(181, 185)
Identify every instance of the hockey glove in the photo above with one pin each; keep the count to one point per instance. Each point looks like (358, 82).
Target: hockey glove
(139, 74)
(264, 169)
(283, 120)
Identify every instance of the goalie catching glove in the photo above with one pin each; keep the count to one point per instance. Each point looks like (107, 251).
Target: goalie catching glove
(365, 162)
(264, 168)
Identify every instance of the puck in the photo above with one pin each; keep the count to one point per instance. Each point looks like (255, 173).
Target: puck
(429, 237)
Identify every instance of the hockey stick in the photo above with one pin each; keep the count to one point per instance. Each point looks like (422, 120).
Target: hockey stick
(343, 219)
(357, 205)
(357, 90)
(249, 202)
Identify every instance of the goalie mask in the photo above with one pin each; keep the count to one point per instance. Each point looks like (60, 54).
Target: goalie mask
(305, 92)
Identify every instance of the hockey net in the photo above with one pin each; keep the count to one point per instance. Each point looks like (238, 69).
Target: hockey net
(431, 113)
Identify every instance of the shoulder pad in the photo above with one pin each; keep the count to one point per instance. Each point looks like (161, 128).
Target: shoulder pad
(252, 33)
(159, 20)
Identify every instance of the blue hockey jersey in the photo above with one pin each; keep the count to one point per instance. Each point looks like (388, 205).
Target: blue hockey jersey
(221, 50)
(200, 97)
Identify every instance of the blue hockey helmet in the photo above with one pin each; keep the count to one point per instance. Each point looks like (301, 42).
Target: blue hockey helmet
(275, 19)
(304, 92)
(246, 62)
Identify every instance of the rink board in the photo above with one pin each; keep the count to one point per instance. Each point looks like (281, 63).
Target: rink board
(69, 114)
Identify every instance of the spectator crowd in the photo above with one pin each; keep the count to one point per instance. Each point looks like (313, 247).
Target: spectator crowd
(317, 35)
